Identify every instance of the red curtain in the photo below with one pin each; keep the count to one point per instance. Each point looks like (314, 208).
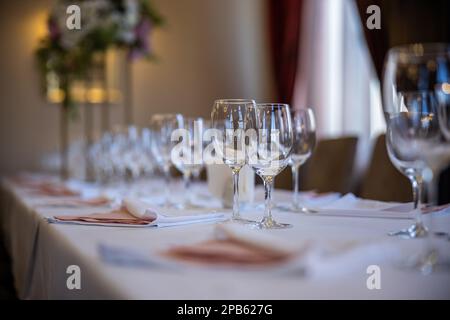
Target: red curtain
(285, 21)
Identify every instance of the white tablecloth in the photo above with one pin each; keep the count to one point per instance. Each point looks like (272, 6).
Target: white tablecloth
(41, 253)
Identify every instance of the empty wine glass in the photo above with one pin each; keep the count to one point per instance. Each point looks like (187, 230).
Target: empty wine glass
(188, 154)
(304, 132)
(412, 75)
(407, 131)
(206, 124)
(148, 165)
(269, 131)
(162, 127)
(228, 118)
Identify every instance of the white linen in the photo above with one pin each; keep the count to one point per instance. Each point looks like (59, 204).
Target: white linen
(41, 253)
(351, 206)
(166, 217)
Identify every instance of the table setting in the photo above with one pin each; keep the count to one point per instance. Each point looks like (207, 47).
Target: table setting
(142, 224)
(124, 240)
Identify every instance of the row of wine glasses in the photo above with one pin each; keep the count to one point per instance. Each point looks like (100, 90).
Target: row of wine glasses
(178, 141)
(278, 140)
(120, 155)
(268, 138)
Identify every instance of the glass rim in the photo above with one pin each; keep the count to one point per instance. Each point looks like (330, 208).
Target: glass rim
(273, 104)
(165, 115)
(234, 101)
(421, 49)
(193, 119)
(159, 117)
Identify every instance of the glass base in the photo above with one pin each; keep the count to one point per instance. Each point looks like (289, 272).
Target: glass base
(425, 263)
(296, 209)
(242, 221)
(269, 223)
(417, 230)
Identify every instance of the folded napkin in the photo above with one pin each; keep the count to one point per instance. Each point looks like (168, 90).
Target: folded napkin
(51, 189)
(352, 206)
(134, 212)
(116, 217)
(234, 246)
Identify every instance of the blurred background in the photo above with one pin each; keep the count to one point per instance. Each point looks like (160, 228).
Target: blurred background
(308, 53)
(205, 50)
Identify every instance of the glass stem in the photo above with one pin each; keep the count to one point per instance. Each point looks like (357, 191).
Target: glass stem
(166, 185)
(433, 197)
(417, 198)
(268, 186)
(236, 215)
(187, 185)
(295, 198)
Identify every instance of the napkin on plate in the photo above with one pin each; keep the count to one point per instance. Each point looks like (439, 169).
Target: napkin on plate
(235, 246)
(134, 212)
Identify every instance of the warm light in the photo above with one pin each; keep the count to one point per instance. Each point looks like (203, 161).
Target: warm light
(446, 88)
(55, 95)
(36, 27)
(96, 95)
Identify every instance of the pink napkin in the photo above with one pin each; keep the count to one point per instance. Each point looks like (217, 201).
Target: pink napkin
(432, 209)
(225, 252)
(55, 190)
(121, 216)
(74, 202)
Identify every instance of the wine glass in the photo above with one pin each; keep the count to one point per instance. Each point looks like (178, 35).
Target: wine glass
(415, 93)
(187, 156)
(228, 118)
(206, 124)
(413, 76)
(162, 126)
(304, 132)
(270, 135)
(407, 131)
(148, 165)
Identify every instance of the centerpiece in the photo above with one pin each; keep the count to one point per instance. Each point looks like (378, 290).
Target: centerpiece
(67, 55)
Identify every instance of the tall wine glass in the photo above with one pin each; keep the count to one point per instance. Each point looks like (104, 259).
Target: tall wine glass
(196, 171)
(188, 158)
(407, 131)
(269, 130)
(304, 131)
(148, 165)
(162, 127)
(413, 76)
(229, 117)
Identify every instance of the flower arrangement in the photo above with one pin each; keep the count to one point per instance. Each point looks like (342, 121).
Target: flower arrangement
(69, 53)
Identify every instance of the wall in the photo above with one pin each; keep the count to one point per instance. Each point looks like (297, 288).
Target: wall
(208, 49)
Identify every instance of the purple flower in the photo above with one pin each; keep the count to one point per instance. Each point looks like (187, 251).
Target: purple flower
(141, 47)
(53, 29)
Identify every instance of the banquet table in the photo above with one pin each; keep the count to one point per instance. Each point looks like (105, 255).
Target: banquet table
(41, 252)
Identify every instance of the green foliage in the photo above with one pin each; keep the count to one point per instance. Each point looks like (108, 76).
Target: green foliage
(74, 62)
